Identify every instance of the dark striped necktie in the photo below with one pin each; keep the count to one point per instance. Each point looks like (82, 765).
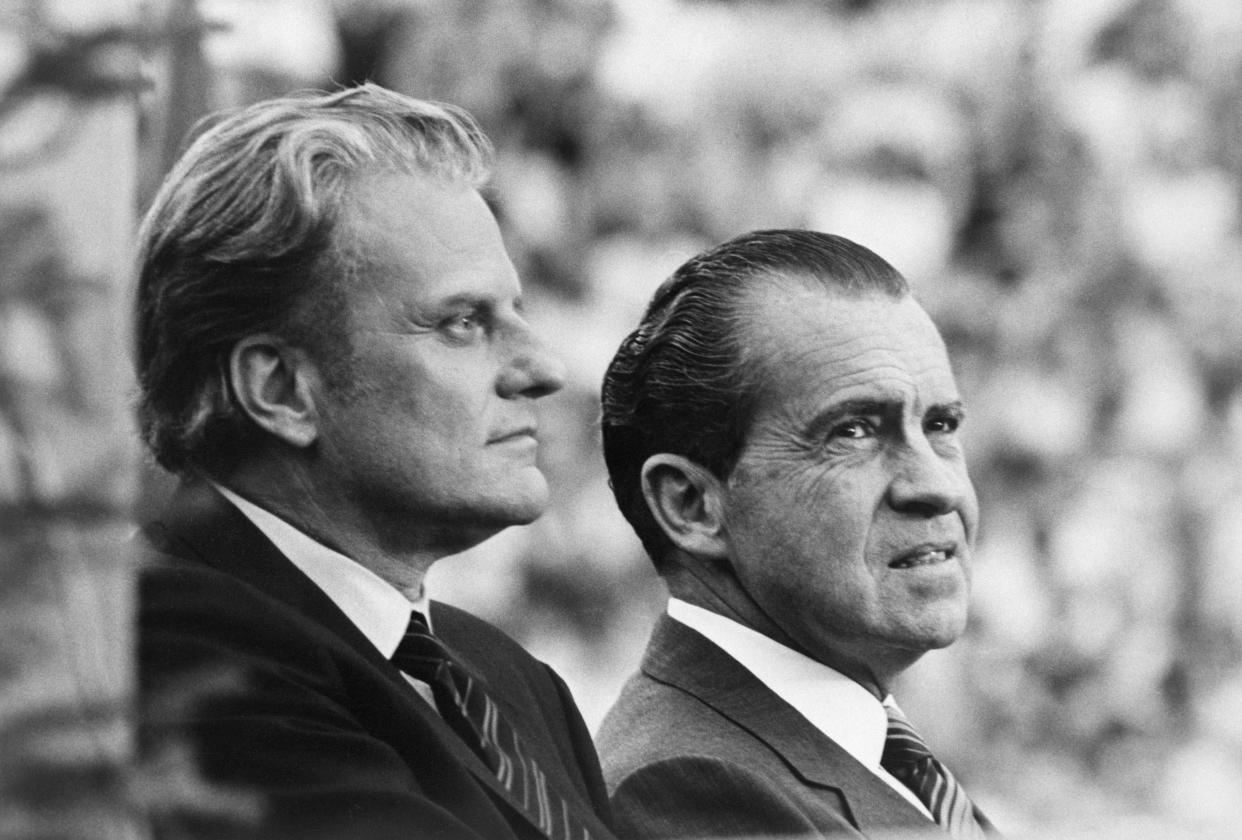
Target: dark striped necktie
(909, 760)
(474, 716)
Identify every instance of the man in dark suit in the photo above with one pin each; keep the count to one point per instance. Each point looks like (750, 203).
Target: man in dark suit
(781, 431)
(332, 355)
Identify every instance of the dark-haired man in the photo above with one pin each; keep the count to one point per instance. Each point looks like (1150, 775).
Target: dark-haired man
(333, 357)
(781, 431)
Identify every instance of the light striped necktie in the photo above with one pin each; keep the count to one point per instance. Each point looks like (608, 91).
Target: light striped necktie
(909, 760)
(474, 716)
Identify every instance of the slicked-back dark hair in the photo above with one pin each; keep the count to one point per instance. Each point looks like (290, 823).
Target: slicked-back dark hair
(681, 383)
(240, 240)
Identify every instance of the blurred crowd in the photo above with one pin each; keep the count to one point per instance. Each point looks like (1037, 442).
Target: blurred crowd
(1060, 180)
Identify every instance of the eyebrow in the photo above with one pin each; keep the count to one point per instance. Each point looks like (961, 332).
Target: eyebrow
(482, 298)
(473, 299)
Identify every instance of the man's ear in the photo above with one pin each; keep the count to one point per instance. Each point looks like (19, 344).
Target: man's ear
(687, 502)
(272, 382)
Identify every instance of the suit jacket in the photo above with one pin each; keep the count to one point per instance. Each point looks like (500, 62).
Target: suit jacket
(697, 747)
(282, 700)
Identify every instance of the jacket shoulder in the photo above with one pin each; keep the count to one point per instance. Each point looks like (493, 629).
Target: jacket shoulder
(652, 722)
(696, 795)
(676, 767)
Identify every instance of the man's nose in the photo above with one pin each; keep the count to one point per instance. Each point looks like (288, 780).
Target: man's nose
(532, 370)
(927, 483)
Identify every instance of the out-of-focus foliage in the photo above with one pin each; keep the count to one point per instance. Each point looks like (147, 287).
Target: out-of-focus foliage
(1059, 179)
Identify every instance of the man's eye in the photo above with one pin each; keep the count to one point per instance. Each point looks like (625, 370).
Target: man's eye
(855, 429)
(463, 326)
(947, 424)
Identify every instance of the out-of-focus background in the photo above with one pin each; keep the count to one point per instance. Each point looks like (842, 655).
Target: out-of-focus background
(1060, 180)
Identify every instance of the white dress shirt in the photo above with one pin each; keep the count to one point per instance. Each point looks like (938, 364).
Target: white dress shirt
(375, 606)
(834, 704)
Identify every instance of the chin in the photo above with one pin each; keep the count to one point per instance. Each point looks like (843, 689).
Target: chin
(937, 629)
(525, 503)
(941, 641)
(526, 514)
(946, 633)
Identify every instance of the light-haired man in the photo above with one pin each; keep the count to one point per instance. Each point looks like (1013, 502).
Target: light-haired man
(333, 357)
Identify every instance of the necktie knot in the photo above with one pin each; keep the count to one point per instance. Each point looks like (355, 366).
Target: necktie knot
(902, 745)
(418, 625)
(420, 654)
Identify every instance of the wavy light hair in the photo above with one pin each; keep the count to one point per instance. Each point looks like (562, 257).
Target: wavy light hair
(240, 240)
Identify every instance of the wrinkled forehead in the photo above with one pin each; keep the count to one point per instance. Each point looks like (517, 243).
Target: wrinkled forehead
(419, 227)
(801, 337)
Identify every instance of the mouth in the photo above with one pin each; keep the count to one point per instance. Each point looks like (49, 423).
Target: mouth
(522, 435)
(928, 554)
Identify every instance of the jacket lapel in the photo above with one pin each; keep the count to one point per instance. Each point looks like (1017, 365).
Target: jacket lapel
(447, 622)
(201, 525)
(682, 657)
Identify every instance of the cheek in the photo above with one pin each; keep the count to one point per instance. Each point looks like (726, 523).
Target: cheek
(798, 553)
(467, 387)
(443, 402)
(812, 515)
(793, 483)
(970, 511)
(836, 510)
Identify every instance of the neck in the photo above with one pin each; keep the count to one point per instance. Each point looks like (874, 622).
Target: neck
(713, 587)
(290, 495)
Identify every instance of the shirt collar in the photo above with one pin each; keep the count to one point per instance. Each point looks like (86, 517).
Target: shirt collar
(834, 704)
(376, 607)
